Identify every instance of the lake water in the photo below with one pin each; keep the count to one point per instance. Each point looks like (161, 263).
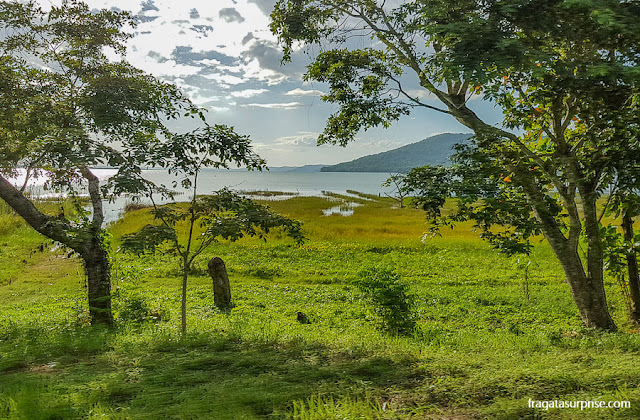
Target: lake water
(209, 180)
(304, 183)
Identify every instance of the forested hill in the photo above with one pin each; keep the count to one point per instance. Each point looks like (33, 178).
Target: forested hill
(430, 151)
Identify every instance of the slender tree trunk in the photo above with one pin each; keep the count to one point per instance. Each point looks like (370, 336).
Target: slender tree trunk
(595, 249)
(97, 269)
(632, 267)
(183, 310)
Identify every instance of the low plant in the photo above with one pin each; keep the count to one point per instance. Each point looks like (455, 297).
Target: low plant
(391, 299)
(137, 309)
(322, 408)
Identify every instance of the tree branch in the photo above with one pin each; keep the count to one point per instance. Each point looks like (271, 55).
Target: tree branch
(55, 228)
(94, 194)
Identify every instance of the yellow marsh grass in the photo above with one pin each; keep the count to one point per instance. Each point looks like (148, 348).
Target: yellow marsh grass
(376, 220)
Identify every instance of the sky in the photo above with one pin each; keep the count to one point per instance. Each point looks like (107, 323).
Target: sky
(223, 56)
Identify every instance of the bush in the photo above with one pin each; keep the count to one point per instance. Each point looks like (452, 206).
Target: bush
(135, 308)
(391, 299)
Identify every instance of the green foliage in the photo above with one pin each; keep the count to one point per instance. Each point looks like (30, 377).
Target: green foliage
(67, 105)
(391, 298)
(357, 81)
(565, 75)
(220, 216)
(205, 221)
(483, 194)
(325, 408)
(112, 116)
(148, 239)
(480, 348)
(136, 308)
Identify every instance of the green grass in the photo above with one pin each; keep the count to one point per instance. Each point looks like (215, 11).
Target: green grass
(481, 348)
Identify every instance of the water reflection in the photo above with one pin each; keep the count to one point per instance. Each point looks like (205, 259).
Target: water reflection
(344, 209)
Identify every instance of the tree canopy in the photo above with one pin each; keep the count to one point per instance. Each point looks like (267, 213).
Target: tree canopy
(564, 72)
(69, 101)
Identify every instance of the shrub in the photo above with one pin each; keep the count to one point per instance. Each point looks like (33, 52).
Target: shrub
(135, 308)
(391, 299)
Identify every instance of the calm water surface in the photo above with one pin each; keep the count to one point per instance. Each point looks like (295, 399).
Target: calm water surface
(302, 183)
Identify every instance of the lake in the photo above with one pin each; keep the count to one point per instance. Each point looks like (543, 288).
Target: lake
(302, 183)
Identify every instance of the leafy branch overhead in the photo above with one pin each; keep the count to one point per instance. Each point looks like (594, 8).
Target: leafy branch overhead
(221, 216)
(482, 192)
(67, 105)
(565, 74)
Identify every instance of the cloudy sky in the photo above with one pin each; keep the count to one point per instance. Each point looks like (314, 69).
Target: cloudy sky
(222, 54)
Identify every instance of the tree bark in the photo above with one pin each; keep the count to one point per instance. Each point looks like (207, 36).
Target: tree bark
(86, 241)
(587, 290)
(632, 268)
(97, 269)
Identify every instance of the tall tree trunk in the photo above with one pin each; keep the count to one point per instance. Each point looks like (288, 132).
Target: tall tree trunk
(632, 267)
(86, 242)
(96, 259)
(595, 249)
(587, 290)
(97, 269)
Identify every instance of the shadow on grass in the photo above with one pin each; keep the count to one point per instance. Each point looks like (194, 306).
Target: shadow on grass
(80, 373)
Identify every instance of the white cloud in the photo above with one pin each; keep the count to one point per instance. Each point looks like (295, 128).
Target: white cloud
(252, 70)
(221, 62)
(225, 79)
(248, 93)
(287, 105)
(170, 68)
(420, 94)
(302, 92)
(220, 108)
(303, 138)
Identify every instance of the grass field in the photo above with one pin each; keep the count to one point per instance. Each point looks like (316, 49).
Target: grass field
(489, 334)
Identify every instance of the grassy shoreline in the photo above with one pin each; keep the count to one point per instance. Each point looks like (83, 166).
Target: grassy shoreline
(481, 349)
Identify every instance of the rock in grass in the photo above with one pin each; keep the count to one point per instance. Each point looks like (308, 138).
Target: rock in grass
(302, 318)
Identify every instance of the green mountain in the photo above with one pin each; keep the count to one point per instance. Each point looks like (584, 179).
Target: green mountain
(434, 150)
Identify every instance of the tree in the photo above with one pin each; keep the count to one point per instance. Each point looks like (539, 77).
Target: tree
(206, 219)
(191, 229)
(621, 248)
(558, 69)
(65, 107)
(398, 193)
